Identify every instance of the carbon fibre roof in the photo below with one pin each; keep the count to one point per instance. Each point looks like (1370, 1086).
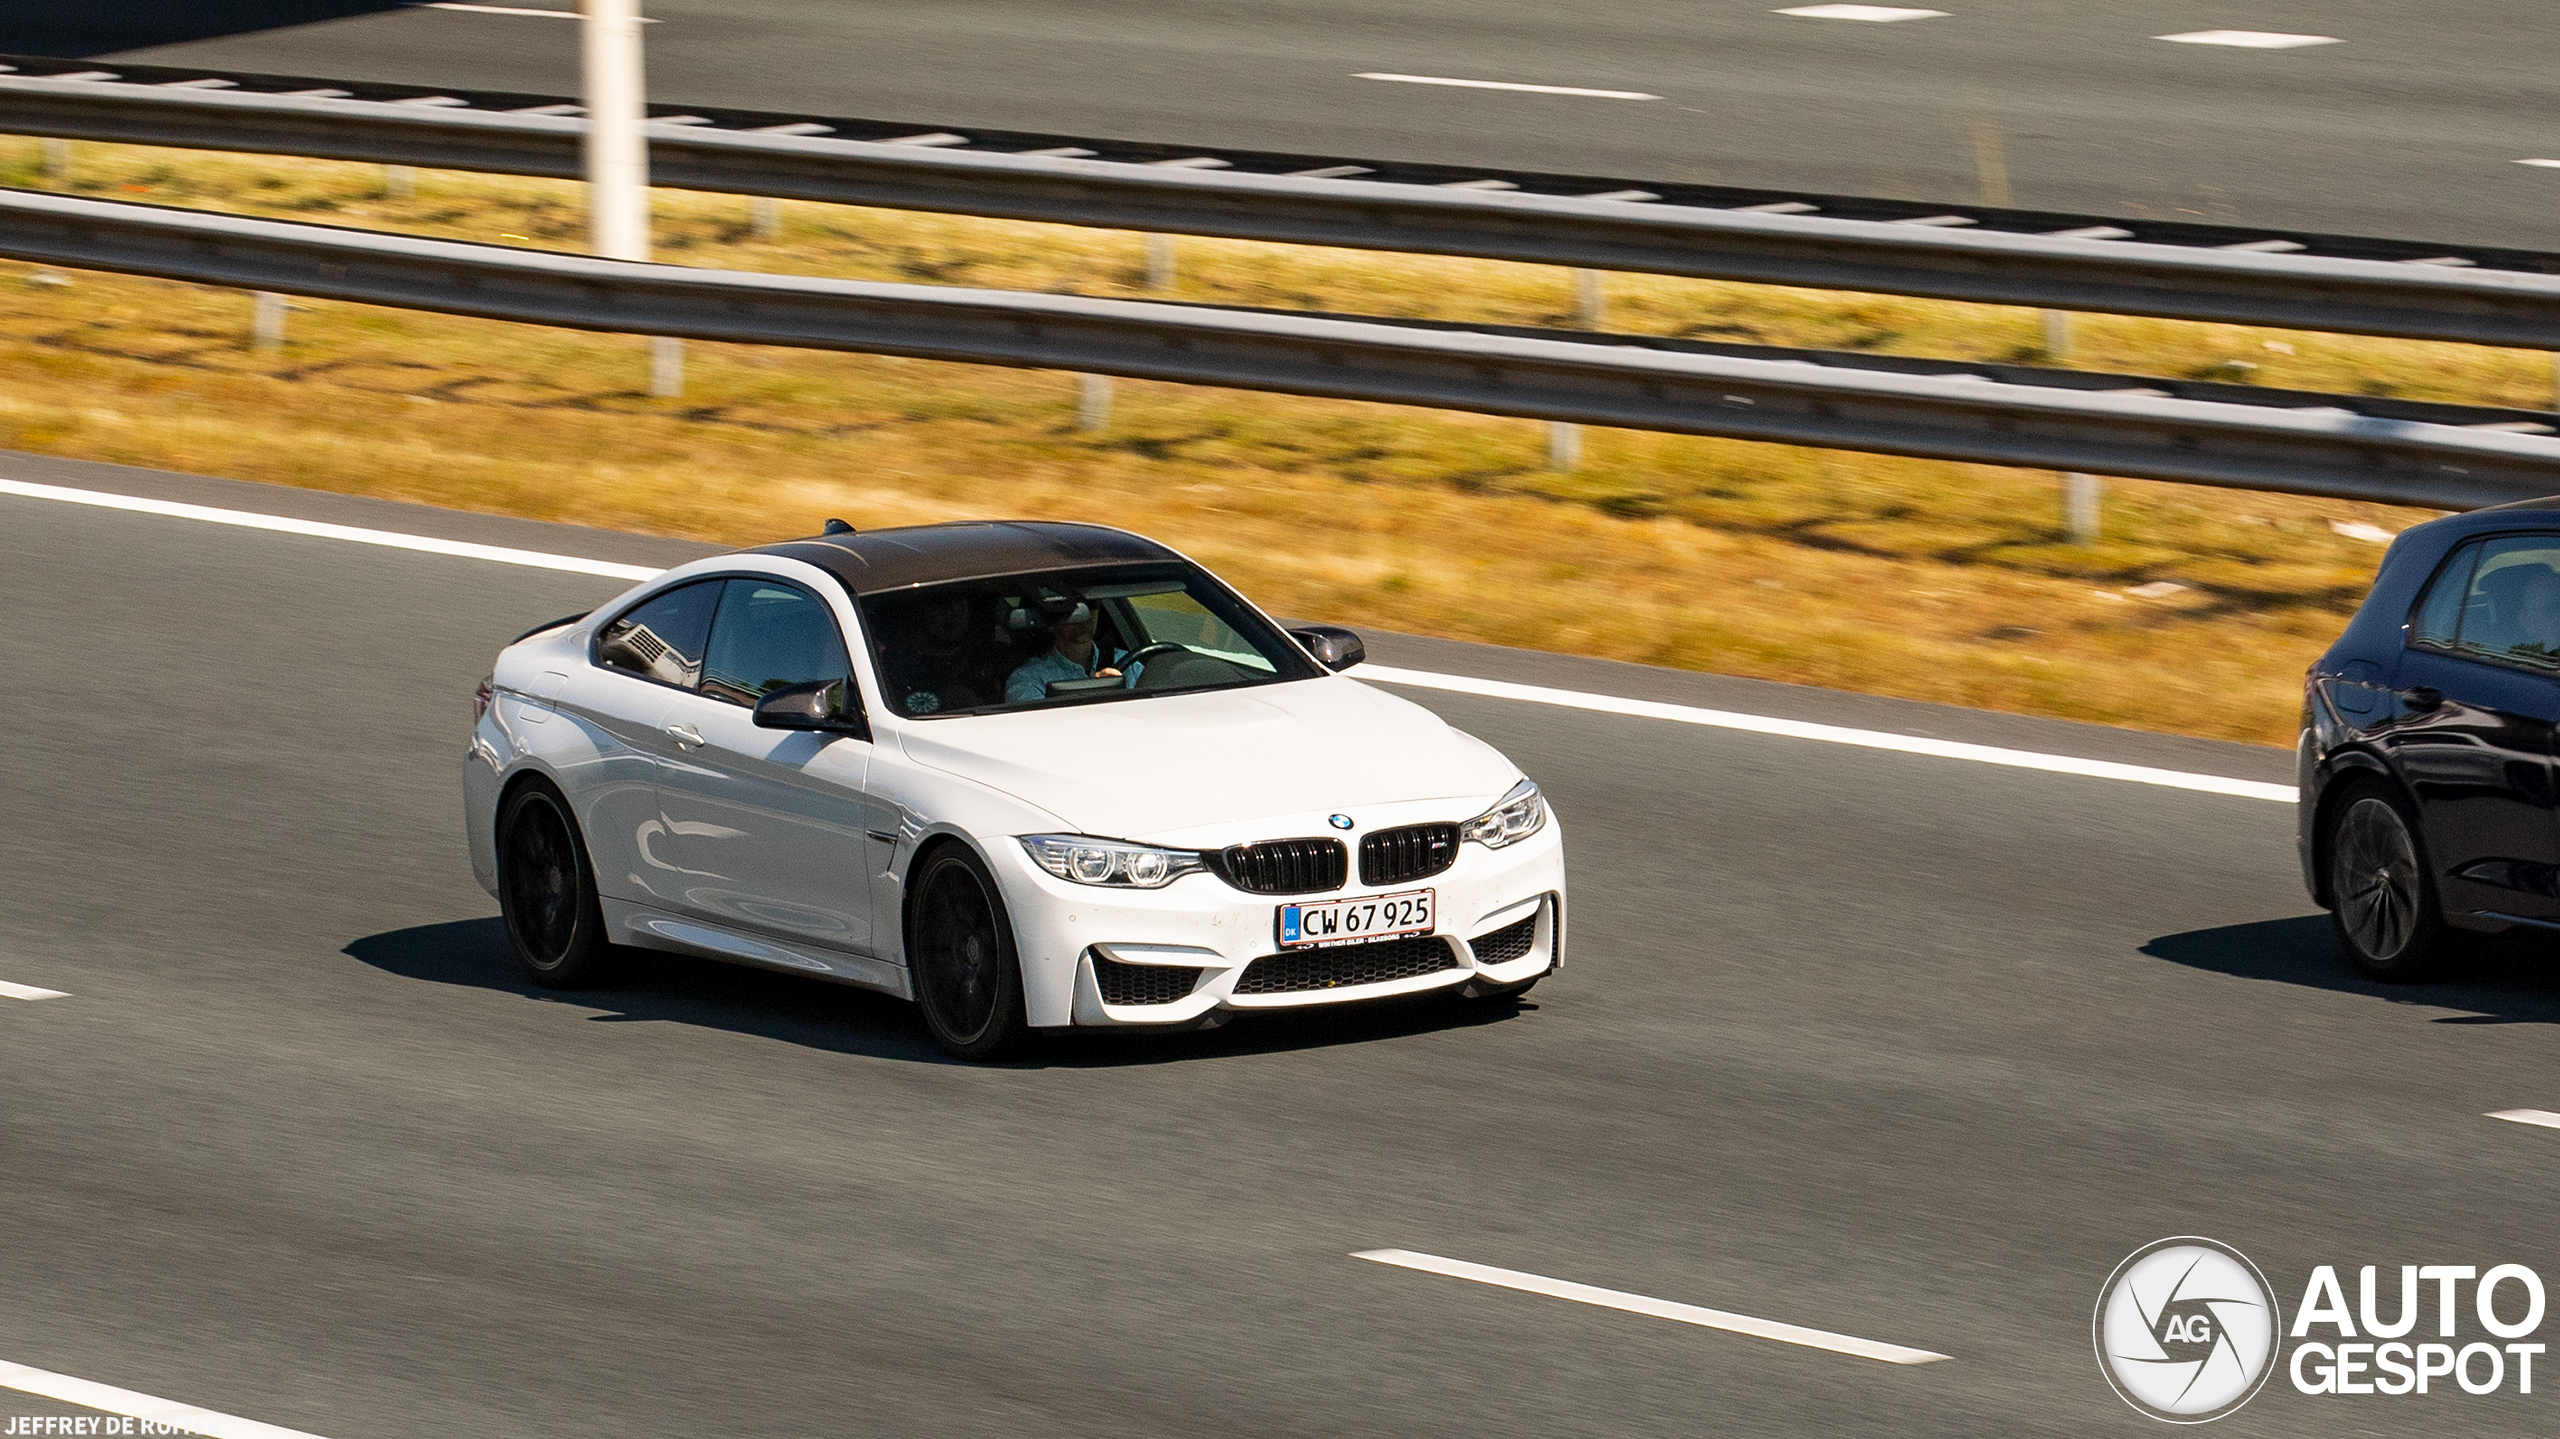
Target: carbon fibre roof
(875, 561)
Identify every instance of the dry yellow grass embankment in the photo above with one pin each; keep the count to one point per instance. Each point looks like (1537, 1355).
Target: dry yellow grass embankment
(1933, 581)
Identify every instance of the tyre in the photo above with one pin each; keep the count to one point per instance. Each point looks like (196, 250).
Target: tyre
(960, 954)
(547, 892)
(2382, 897)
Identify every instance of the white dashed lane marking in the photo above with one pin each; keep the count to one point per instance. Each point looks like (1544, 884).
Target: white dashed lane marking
(2250, 39)
(1507, 85)
(1654, 1308)
(106, 1398)
(28, 991)
(2545, 164)
(1882, 14)
(2542, 1117)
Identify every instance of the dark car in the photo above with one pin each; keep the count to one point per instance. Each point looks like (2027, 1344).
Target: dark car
(2428, 812)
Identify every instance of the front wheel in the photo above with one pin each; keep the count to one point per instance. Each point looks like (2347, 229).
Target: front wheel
(2382, 902)
(547, 892)
(960, 955)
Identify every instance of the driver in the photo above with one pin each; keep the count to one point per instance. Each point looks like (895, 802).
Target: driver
(1072, 655)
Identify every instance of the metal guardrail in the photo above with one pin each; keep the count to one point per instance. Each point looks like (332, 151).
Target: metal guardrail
(2039, 419)
(2065, 262)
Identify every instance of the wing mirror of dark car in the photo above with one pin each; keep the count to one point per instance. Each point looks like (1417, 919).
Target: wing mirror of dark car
(822, 705)
(1333, 646)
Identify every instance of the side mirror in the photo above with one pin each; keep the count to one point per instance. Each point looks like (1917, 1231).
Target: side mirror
(1333, 646)
(822, 705)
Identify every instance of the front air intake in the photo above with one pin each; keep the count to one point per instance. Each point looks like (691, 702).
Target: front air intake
(1512, 941)
(1376, 962)
(1142, 983)
(1285, 866)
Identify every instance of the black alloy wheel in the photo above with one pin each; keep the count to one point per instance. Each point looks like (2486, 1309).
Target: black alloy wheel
(960, 954)
(547, 892)
(2382, 902)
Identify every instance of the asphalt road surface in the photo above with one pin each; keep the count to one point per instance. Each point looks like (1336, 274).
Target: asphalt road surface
(1900, 1047)
(2409, 125)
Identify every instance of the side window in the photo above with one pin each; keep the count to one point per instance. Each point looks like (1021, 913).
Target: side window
(770, 635)
(2439, 618)
(2511, 609)
(662, 639)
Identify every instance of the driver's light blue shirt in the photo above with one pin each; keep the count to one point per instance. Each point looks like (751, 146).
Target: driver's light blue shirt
(1029, 683)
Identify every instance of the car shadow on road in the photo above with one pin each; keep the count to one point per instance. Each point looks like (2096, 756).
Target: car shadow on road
(673, 989)
(2511, 980)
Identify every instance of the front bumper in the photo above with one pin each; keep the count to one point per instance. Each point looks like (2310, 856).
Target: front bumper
(1071, 936)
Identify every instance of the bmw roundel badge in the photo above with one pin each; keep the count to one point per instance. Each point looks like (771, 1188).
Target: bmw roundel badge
(1339, 821)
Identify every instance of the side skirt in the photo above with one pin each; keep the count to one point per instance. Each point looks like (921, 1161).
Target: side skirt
(646, 928)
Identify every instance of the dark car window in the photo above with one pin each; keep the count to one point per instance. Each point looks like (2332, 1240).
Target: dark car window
(662, 639)
(769, 635)
(2439, 617)
(2509, 607)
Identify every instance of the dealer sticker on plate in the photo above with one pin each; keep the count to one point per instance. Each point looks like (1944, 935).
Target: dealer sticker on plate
(1353, 921)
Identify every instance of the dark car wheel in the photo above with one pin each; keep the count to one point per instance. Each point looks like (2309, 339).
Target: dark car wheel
(547, 892)
(2382, 901)
(960, 954)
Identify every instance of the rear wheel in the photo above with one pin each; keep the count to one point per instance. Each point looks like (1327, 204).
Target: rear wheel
(547, 892)
(2382, 899)
(960, 954)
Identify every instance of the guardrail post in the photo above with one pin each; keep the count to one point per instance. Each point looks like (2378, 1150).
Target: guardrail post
(1589, 305)
(1093, 402)
(617, 157)
(266, 320)
(1564, 445)
(2080, 508)
(56, 164)
(2079, 492)
(400, 182)
(1160, 263)
(768, 218)
(666, 367)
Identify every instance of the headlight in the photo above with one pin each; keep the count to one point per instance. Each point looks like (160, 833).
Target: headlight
(1522, 813)
(1109, 861)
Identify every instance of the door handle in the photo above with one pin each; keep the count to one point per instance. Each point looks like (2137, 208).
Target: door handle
(686, 735)
(2422, 697)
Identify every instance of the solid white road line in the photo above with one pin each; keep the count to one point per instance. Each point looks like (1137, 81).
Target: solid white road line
(28, 991)
(1882, 14)
(316, 530)
(1509, 85)
(2250, 39)
(1835, 734)
(2543, 1117)
(109, 1399)
(1657, 1308)
(1421, 679)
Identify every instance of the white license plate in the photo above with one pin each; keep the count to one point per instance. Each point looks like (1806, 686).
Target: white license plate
(1353, 921)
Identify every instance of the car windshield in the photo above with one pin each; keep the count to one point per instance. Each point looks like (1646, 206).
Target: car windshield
(1079, 637)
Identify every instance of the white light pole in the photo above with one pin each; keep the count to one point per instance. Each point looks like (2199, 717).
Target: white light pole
(618, 156)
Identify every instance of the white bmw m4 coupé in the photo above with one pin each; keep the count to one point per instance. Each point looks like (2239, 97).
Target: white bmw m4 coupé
(1030, 776)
